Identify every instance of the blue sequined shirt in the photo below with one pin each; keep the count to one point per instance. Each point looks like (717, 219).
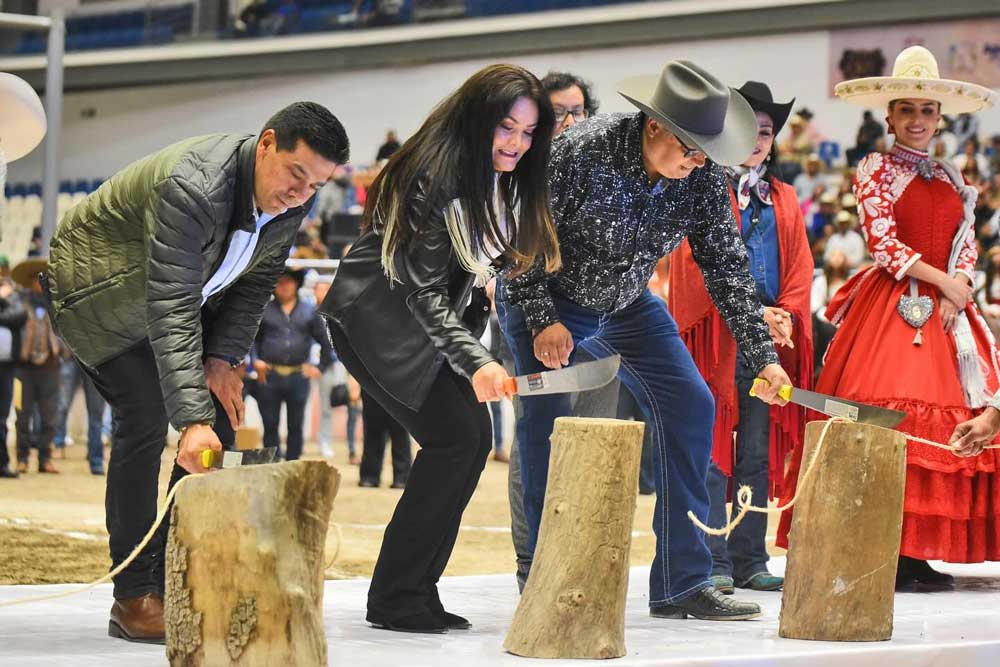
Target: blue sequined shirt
(614, 225)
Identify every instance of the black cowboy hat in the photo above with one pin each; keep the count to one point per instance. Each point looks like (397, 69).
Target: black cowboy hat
(298, 275)
(699, 109)
(760, 98)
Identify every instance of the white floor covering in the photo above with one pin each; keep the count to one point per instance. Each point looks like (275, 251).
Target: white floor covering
(955, 629)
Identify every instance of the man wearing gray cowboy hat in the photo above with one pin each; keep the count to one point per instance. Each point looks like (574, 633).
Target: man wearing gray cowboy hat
(626, 190)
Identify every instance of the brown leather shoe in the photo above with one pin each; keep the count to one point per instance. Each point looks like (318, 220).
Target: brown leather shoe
(22, 467)
(48, 467)
(138, 620)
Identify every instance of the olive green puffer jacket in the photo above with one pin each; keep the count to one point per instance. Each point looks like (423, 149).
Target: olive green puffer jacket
(129, 263)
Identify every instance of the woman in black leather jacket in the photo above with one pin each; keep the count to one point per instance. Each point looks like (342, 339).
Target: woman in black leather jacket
(466, 195)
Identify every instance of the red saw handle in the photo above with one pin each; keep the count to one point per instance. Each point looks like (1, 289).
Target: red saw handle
(510, 386)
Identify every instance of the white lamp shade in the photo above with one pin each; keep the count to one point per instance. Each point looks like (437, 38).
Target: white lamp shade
(22, 117)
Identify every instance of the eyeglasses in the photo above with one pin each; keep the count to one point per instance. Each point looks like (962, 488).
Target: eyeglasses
(688, 151)
(579, 114)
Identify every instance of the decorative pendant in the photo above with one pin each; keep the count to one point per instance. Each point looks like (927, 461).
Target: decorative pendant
(916, 310)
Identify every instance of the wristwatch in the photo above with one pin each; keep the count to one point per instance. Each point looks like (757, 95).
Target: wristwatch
(232, 361)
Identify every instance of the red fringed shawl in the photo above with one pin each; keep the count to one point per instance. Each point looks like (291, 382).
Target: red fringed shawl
(714, 350)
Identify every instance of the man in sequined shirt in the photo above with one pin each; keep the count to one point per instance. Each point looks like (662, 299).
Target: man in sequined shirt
(626, 189)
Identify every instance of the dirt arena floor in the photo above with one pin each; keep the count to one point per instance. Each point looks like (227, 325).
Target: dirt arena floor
(52, 526)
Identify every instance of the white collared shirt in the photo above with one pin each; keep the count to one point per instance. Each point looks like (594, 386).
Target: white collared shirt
(241, 247)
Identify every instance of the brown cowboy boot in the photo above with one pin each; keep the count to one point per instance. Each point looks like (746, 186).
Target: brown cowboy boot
(138, 619)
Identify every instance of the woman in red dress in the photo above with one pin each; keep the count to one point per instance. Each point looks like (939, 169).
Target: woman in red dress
(939, 363)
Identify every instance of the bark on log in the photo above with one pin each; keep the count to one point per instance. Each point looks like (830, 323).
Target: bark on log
(844, 542)
(573, 605)
(245, 566)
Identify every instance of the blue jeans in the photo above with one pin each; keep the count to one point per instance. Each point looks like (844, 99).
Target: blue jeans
(628, 408)
(745, 553)
(293, 391)
(678, 407)
(71, 377)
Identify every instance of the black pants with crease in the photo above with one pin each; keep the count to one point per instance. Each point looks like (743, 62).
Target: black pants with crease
(455, 437)
(130, 383)
(380, 426)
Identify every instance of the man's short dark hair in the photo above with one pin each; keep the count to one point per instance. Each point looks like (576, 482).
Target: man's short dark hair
(556, 81)
(314, 124)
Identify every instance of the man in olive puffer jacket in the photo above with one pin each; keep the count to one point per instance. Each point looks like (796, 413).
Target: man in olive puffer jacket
(157, 282)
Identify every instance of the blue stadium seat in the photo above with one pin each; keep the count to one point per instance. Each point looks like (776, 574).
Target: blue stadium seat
(159, 34)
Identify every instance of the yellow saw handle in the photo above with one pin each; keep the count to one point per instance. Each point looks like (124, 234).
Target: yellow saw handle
(207, 458)
(785, 392)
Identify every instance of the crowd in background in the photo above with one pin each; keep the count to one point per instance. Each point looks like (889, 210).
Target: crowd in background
(822, 182)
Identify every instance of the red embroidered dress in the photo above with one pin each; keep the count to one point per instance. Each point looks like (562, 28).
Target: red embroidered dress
(952, 504)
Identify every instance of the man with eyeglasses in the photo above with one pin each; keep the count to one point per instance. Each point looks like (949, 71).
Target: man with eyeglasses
(573, 102)
(627, 189)
(571, 98)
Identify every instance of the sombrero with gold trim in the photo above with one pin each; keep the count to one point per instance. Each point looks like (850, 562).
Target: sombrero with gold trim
(915, 76)
(26, 271)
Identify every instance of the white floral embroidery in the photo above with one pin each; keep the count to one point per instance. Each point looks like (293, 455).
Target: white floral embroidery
(879, 227)
(868, 166)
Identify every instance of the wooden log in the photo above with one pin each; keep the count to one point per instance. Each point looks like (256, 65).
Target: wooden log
(573, 605)
(844, 542)
(245, 566)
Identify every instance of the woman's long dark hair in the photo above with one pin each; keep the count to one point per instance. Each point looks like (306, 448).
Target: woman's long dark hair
(452, 154)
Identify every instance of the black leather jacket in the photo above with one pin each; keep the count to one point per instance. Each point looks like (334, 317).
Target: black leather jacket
(404, 333)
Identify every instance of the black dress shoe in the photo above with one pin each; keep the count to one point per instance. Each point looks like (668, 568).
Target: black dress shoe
(399, 485)
(7, 473)
(917, 576)
(421, 622)
(368, 484)
(453, 621)
(708, 604)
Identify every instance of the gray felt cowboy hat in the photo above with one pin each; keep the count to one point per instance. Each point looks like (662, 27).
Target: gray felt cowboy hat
(699, 109)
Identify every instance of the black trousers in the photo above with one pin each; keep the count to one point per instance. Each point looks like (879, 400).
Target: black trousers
(6, 398)
(130, 383)
(39, 409)
(378, 427)
(455, 437)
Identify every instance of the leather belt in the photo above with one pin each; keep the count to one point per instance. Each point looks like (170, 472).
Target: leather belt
(286, 370)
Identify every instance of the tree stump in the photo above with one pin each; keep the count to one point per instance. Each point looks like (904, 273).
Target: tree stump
(245, 564)
(844, 542)
(573, 605)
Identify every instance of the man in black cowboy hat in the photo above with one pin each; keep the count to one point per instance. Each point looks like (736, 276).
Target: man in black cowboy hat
(281, 354)
(626, 190)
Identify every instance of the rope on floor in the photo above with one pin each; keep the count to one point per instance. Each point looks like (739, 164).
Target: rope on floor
(744, 497)
(160, 516)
